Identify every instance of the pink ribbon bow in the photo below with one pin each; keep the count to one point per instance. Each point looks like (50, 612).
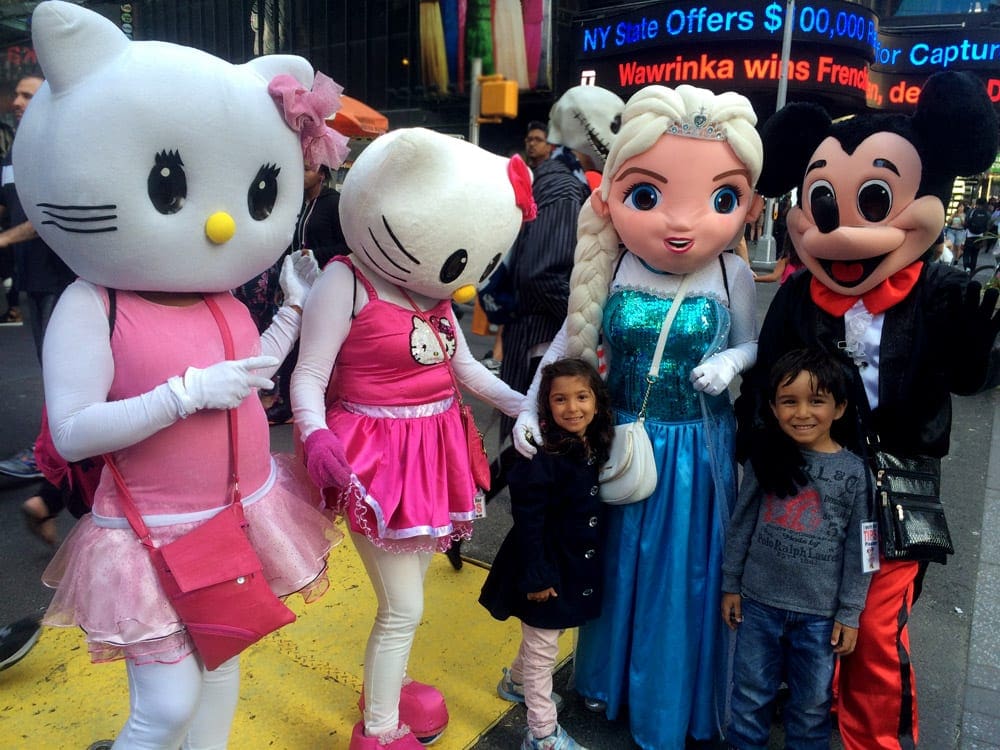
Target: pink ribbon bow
(306, 112)
(520, 177)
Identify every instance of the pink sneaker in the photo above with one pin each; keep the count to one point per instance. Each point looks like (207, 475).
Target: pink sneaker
(401, 739)
(422, 708)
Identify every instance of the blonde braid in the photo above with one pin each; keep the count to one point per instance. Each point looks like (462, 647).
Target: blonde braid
(596, 252)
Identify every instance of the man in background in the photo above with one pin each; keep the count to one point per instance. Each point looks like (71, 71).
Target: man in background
(536, 144)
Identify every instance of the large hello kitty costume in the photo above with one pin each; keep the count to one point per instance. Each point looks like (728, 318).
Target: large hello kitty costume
(169, 176)
(427, 217)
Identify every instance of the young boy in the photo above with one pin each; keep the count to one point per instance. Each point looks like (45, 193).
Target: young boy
(794, 574)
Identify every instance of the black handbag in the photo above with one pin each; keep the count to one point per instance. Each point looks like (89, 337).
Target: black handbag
(911, 520)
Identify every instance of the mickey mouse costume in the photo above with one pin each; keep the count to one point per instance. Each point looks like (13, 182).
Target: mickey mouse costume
(872, 197)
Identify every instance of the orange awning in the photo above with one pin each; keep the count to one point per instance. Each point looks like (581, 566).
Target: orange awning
(356, 119)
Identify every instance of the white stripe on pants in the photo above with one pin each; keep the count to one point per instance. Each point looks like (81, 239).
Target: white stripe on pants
(398, 581)
(533, 669)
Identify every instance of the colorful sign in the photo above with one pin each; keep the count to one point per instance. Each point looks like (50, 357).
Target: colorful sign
(837, 50)
(844, 24)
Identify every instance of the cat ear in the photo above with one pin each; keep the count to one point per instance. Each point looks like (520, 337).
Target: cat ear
(270, 66)
(71, 42)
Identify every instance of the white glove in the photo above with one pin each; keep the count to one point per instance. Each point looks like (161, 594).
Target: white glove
(298, 272)
(714, 375)
(220, 386)
(527, 434)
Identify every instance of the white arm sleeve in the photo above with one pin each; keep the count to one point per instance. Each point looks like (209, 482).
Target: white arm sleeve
(326, 321)
(743, 310)
(79, 370)
(279, 338)
(486, 386)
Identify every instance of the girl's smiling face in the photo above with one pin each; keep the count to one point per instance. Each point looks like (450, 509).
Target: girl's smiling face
(572, 403)
(679, 204)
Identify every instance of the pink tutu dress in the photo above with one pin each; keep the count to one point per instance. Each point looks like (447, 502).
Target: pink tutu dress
(178, 477)
(398, 418)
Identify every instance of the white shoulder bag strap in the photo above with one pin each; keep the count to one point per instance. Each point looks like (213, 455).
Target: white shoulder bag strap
(661, 342)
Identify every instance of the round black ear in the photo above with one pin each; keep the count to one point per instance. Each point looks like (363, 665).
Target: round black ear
(957, 125)
(790, 137)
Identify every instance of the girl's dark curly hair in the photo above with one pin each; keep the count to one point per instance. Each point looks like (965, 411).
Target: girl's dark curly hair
(599, 432)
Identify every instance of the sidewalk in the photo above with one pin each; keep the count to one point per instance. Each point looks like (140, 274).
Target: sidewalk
(300, 686)
(981, 714)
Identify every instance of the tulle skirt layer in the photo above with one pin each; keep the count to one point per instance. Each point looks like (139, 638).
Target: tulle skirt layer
(106, 585)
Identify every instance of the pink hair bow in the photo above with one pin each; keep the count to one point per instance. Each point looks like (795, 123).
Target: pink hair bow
(306, 112)
(520, 177)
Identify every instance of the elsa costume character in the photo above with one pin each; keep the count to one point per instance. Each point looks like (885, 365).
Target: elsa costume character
(673, 197)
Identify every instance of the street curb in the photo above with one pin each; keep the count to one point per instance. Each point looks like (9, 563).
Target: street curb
(981, 707)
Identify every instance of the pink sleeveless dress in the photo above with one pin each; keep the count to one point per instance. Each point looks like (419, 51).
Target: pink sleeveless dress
(391, 401)
(178, 476)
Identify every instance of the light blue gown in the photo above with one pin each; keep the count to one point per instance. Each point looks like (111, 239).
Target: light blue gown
(659, 647)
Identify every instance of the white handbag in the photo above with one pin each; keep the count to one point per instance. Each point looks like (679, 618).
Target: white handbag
(630, 472)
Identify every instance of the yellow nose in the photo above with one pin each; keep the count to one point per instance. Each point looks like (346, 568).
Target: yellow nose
(220, 227)
(464, 294)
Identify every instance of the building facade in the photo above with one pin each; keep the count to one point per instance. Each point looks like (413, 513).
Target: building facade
(410, 58)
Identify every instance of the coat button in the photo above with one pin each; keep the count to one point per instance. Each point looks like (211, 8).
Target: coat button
(589, 554)
(588, 592)
(594, 490)
(592, 523)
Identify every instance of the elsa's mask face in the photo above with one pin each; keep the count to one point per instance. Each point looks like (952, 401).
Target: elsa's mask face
(680, 204)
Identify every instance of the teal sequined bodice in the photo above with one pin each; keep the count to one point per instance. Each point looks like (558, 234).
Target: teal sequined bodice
(632, 321)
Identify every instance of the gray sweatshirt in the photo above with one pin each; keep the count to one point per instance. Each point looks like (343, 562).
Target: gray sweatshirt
(802, 553)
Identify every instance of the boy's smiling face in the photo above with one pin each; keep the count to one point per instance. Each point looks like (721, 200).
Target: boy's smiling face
(806, 414)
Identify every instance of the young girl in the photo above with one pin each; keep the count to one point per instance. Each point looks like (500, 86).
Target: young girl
(547, 572)
(675, 193)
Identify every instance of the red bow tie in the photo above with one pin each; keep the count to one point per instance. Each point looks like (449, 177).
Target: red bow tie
(888, 293)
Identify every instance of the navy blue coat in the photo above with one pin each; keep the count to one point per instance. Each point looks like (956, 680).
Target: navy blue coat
(557, 541)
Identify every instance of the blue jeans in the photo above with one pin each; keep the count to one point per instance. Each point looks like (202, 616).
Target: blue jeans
(772, 645)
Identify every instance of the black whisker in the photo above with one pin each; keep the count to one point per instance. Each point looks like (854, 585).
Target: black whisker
(376, 264)
(402, 249)
(80, 231)
(108, 207)
(384, 253)
(106, 217)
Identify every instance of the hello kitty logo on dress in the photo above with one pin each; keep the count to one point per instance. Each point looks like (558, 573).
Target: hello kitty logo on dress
(425, 346)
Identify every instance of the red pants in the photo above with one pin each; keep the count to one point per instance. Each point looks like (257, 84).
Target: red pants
(877, 707)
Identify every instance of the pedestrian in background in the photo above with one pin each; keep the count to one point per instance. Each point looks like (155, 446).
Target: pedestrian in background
(548, 570)
(40, 276)
(536, 144)
(977, 224)
(954, 233)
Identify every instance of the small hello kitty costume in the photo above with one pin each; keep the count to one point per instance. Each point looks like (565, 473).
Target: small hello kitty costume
(426, 217)
(180, 186)
(386, 410)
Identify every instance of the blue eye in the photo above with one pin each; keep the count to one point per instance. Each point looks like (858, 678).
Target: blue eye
(642, 197)
(726, 199)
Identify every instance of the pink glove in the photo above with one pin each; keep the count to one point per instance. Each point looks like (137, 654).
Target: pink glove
(326, 461)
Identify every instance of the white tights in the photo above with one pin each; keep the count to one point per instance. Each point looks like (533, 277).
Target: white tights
(180, 705)
(398, 581)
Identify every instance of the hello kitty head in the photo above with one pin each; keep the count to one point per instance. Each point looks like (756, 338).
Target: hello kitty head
(431, 213)
(133, 153)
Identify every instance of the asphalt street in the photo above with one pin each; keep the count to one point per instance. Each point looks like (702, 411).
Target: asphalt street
(955, 636)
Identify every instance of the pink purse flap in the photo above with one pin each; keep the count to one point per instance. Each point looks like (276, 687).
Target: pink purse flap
(215, 552)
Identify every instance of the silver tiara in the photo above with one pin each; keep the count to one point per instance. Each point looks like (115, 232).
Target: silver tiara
(698, 126)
